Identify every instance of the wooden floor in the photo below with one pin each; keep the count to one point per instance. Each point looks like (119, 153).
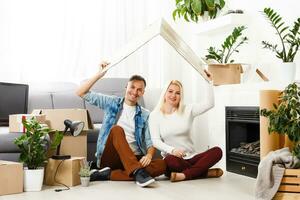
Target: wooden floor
(229, 187)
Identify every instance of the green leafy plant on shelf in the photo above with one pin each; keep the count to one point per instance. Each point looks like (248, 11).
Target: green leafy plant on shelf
(193, 9)
(35, 142)
(229, 46)
(289, 37)
(285, 117)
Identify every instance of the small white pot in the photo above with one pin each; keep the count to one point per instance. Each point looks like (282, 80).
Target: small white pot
(85, 181)
(33, 179)
(287, 72)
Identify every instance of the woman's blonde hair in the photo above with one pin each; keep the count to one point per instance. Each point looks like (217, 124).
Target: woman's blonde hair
(161, 102)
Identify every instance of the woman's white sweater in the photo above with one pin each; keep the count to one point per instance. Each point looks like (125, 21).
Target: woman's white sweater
(169, 131)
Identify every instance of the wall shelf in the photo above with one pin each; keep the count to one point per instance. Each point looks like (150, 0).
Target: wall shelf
(221, 23)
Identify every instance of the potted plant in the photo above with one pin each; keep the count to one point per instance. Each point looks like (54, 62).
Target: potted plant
(223, 58)
(285, 117)
(85, 173)
(289, 42)
(34, 144)
(193, 9)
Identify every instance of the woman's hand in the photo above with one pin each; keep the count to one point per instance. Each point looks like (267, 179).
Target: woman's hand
(178, 153)
(146, 160)
(208, 74)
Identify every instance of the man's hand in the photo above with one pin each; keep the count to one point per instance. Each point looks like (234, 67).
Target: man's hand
(102, 67)
(178, 153)
(85, 87)
(146, 160)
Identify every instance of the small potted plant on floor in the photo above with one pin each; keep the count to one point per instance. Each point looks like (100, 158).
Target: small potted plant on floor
(289, 42)
(85, 173)
(34, 144)
(193, 9)
(285, 117)
(222, 57)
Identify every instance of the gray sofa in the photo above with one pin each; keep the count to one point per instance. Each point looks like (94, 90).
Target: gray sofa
(62, 95)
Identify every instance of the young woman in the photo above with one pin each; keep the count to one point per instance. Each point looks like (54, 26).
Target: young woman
(170, 127)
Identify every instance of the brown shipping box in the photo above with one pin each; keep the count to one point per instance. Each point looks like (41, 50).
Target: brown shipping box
(70, 145)
(11, 177)
(15, 121)
(223, 74)
(67, 171)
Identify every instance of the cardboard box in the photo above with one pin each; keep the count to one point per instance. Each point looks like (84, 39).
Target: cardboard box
(225, 73)
(11, 177)
(70, 145)
(67, 172)
(55, 117)
(15, 121)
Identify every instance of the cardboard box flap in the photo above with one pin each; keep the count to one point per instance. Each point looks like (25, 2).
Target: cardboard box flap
(55, 117)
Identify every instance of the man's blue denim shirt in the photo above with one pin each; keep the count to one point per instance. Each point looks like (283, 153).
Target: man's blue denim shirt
(112, 105)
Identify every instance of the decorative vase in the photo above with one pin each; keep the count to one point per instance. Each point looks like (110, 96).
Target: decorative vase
(287, 72)
(85, 181)
(33, 179)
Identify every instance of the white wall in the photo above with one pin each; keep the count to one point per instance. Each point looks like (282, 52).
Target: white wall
(258, 29)
(88, 25)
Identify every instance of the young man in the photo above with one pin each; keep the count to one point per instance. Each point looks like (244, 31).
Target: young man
(124, 146)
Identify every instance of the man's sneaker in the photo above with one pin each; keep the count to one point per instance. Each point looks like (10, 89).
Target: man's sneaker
(142, 178)
(100, 175)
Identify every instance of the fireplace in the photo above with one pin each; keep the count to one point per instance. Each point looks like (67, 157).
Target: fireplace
(242, 140)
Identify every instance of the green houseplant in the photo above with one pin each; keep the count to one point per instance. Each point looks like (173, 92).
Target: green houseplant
(289, 42)
(225, 71)
(85, 173)
(229, 46)
(285, 117)
(289, 38)
(34, 144)
(193, 9)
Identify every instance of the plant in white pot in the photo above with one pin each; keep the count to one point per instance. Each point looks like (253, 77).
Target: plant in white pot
(222, 58)
(194, 9)
(34, 144)
(289, 42)
(85, 173)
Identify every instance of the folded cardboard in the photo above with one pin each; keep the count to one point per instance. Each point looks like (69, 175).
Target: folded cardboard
(67, 171)
(225, 73)
(11, 177)
(15, 121)
(70, 145)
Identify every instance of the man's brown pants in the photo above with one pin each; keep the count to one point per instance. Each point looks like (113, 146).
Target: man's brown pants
(120, 158)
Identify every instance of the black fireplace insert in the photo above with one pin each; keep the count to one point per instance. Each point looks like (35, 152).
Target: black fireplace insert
(242, 140)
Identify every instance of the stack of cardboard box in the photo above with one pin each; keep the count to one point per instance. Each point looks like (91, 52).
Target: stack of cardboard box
(67, 173)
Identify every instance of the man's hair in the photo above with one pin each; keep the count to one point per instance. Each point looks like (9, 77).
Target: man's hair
(137, 78)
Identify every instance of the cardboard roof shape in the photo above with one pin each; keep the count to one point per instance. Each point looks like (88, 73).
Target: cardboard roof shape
(163, 29)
